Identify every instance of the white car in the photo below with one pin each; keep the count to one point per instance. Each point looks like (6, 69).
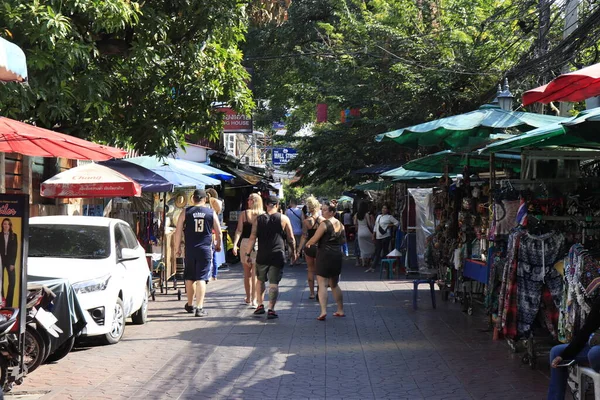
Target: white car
(104, 262)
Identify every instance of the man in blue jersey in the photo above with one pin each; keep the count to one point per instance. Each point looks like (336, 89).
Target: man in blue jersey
(197, 225)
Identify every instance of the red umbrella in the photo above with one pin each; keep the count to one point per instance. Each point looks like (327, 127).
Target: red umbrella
(574, 86)
(29, 140)
(90, 180)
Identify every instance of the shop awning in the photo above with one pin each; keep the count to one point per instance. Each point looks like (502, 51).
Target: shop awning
(90, 180)
(574, 86)
(456, 162)
(376, 169)
(148, 180)
(467, 129)
(180, 175)
(375, 186)
(13, 64)
(405, 175)
(580, 131)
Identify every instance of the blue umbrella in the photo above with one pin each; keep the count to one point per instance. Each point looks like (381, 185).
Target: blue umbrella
(148, 180)
(207, 169)
(176, 173)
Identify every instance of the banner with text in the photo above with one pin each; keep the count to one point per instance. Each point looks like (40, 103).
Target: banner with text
(281, 156)
(234, 122)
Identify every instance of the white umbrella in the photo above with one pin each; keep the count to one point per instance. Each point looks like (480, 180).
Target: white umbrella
(13, 65)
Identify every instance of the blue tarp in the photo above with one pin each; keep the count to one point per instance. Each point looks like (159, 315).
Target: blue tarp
(176, 172)
(208, 170)
(148, 180)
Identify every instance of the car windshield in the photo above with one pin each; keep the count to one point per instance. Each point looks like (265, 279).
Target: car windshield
(69, 241)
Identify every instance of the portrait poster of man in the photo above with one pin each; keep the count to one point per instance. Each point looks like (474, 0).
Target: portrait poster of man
(14, 210)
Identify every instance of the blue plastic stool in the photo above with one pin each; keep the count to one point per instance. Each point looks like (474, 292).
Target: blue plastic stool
(416, 283)
(389, 264)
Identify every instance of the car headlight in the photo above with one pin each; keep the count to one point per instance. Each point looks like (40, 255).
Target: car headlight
(93, 285)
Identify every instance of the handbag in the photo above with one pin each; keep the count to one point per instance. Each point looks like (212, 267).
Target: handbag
(381, 230)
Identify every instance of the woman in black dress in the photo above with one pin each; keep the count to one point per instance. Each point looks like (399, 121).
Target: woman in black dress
(330, 235)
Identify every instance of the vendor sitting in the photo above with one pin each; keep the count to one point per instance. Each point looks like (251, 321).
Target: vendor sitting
(582, 349)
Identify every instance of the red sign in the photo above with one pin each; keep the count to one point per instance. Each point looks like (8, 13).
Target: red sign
(234, 122)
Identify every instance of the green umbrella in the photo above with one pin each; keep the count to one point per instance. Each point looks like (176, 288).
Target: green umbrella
(401, 175)
(377, 186)
(468, 129)
(579, 131)
(437, 162)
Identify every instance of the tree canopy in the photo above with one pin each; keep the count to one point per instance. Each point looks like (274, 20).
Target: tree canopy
(401, 62)
(142, 75)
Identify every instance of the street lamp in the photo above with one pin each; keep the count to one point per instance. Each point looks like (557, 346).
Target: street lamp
(495, 101)
(505, 97)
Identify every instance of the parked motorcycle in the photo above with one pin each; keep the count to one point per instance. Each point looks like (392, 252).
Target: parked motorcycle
(41, 324)
(9, 349)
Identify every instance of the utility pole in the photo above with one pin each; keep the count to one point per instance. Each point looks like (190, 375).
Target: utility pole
(571, 23)
(542, 42)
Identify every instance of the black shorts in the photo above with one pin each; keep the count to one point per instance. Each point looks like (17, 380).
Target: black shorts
(198, 265)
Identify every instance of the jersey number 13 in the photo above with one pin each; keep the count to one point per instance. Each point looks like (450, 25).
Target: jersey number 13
(199, 225)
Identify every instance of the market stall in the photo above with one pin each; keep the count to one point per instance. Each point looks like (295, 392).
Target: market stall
(29, 140)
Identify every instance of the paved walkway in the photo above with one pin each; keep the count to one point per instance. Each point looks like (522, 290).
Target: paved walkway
(381, 350)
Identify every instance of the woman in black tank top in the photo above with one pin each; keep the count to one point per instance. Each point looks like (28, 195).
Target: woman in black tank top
(243, 231)
(309, 227)
(330, 235)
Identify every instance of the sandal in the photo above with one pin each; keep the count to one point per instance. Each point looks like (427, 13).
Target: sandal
(337, 314)
(312, 297)
(322, 317)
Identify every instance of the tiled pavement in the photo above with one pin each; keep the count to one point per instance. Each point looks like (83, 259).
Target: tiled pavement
(381, 350)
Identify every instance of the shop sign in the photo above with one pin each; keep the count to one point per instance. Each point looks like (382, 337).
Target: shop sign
(234, 122)
(277, 126)
(281, 156)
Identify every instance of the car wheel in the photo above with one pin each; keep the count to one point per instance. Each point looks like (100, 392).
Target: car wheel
(62, 350)
(140, 317)
(117, 325)
(35, 348)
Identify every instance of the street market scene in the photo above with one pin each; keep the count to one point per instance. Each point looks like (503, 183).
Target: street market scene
(300, 199)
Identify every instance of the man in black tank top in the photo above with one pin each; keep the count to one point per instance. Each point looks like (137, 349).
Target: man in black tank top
(271, 230)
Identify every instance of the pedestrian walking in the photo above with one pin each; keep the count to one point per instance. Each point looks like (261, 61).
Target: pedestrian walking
(216, 204)
(309, 227)
(244, 230)
(363, 220)
(295, 216)
(271, 230)
(196, 225)
(330, 235)
(382, 234)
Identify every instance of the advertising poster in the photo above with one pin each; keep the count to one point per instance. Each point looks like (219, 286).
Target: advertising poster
(14, 217)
